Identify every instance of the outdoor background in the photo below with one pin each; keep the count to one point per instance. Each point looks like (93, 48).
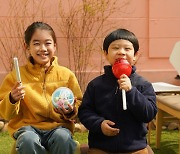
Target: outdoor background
(80, 27)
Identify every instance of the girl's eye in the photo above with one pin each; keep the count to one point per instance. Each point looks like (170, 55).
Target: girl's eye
(36, 44)
(115, 48)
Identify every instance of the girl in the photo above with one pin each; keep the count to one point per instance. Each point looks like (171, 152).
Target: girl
(33, 122)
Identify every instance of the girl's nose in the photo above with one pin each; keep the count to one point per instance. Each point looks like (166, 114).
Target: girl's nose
(43, 47)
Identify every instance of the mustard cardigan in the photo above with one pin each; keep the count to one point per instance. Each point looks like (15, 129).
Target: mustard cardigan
(36, 108)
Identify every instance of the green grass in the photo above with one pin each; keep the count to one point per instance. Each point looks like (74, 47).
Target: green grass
(82, 138)
(5, 143)
(169, 142)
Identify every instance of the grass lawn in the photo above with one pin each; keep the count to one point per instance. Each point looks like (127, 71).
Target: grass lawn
(169, 142)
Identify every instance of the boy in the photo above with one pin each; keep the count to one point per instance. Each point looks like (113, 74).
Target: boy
(112, 129)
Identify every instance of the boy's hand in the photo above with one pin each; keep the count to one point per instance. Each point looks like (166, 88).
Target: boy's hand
(17, 93)
(124, 82)
(107, 129)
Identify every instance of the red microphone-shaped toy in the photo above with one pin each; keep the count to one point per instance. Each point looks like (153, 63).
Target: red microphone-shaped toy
(121, 66)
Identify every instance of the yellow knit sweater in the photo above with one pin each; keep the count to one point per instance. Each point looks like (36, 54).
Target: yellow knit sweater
(36, 108)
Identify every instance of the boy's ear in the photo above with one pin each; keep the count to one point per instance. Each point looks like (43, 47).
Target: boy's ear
(136, 57)
(105, 54)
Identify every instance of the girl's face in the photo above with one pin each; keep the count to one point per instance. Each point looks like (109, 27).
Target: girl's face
(42, 47)
(121, 49)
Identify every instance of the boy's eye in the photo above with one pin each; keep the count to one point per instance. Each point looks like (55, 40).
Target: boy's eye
(48, 43)
(128, 48)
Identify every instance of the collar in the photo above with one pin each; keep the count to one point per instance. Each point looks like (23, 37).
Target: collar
(38, 69)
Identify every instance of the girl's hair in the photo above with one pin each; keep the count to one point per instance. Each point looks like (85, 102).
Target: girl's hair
(33, 27)
(118, 34)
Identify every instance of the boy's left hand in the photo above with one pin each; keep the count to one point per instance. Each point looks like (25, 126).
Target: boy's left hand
(107, 129)
(124, 82)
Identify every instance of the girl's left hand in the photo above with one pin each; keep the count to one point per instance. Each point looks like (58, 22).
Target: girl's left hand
(124, 82)
(69, 110)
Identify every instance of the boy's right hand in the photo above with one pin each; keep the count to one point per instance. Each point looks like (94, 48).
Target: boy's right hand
(17, 93)
(107, 129)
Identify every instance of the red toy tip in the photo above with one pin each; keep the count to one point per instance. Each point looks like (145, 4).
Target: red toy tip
(121, 66)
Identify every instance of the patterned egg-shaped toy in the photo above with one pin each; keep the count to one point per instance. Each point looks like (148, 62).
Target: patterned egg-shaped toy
(62, 97)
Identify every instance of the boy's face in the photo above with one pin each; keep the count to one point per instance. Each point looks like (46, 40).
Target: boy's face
(121, 49)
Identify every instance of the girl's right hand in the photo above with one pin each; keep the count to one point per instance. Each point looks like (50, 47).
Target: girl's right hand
(17, 93)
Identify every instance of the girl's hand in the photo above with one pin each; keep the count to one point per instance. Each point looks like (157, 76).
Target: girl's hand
(69, 110)
(107, 129)
(124, 82)
(17, 93)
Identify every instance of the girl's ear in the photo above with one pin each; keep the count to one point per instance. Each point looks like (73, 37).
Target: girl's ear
(105, 53)
(55, 48)
(55, 45)
(26, 46)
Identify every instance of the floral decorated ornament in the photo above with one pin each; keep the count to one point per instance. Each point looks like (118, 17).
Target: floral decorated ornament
(62, 97)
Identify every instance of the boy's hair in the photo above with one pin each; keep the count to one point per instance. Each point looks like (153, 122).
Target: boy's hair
(123, 34)
(33, 27)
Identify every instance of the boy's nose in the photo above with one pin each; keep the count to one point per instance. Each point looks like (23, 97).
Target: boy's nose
(121, 52)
